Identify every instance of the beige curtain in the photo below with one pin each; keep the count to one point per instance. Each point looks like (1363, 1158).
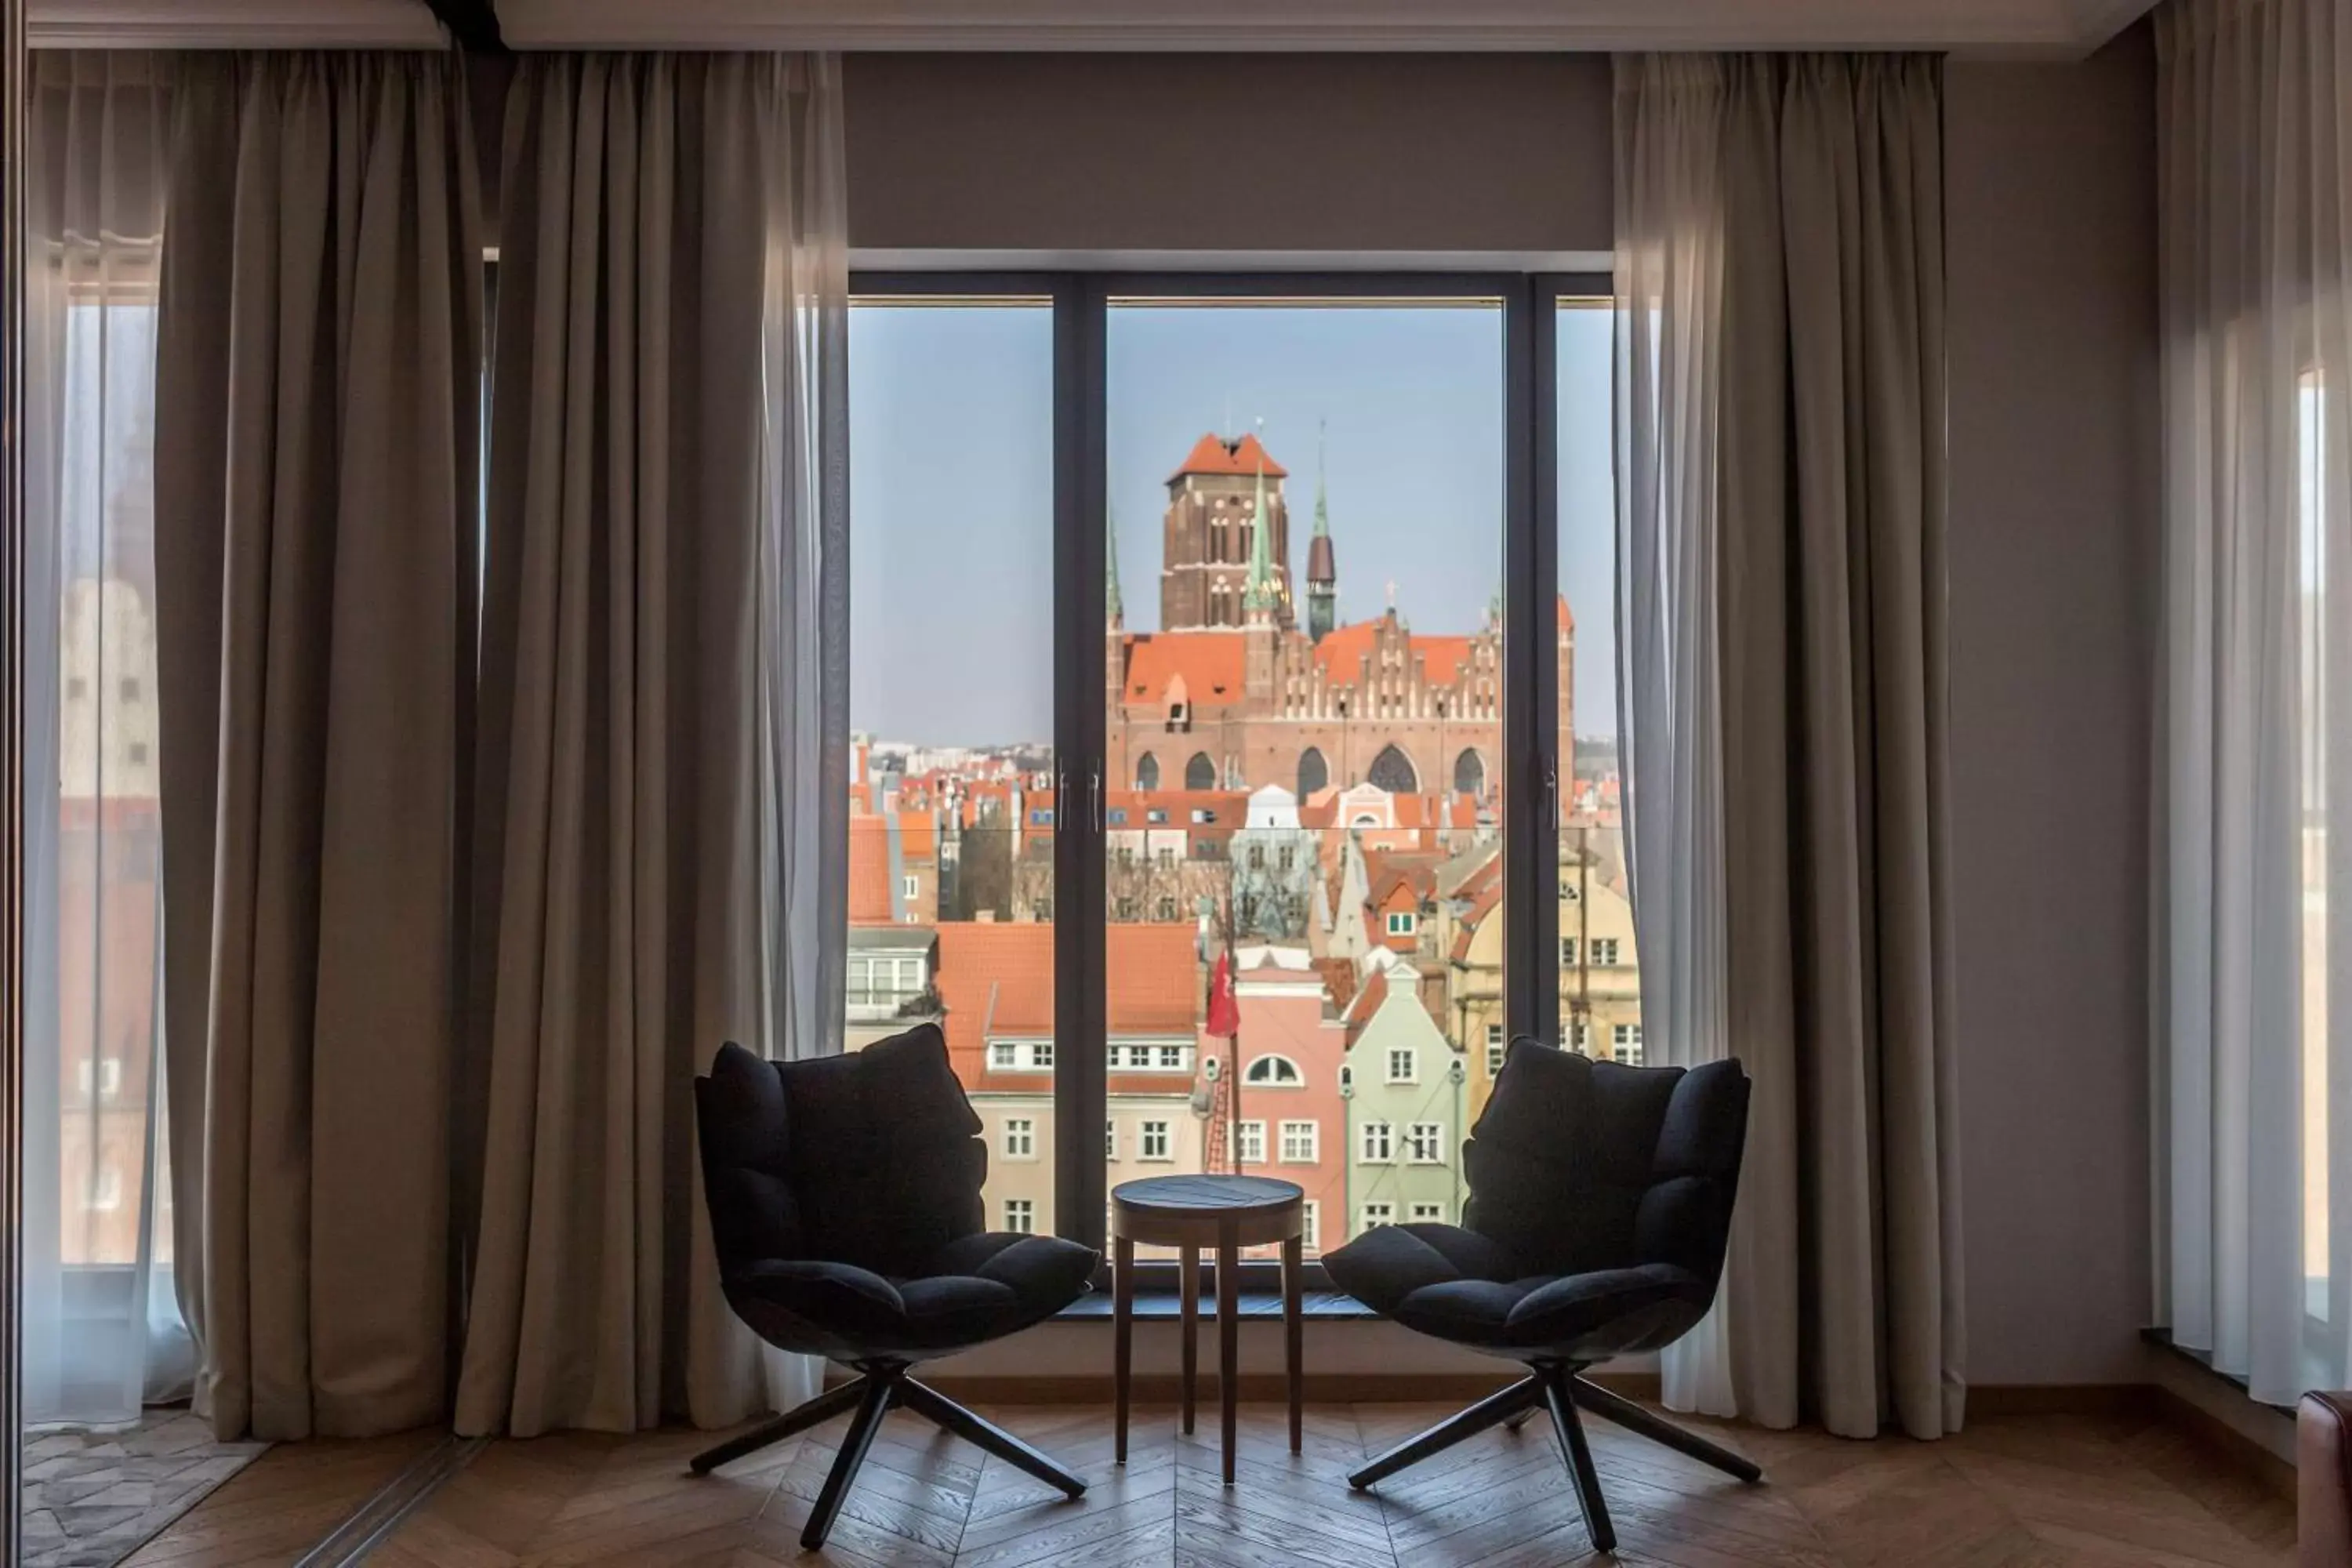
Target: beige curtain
(652, 424)
(316, 483)
(1782, 515)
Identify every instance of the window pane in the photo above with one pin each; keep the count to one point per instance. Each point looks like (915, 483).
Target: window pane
(1303, 670)
(1600, 981)
(953, 809)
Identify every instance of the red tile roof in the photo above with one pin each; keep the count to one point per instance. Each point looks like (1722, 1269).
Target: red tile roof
(1338, 979)
(1212, 454)
(1204, 669)
(1366, 1002)
(997, 978)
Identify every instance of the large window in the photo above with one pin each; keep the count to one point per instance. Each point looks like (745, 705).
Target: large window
(1303, 671)
(952, 802)
(1215, 639)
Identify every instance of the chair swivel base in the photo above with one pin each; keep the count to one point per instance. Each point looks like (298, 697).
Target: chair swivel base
(1558, 1389)
(882, 1387)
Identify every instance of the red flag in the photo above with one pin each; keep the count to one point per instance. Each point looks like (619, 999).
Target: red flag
(1224, 1013)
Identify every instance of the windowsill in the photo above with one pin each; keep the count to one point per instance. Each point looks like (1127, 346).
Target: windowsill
(1169, 1304)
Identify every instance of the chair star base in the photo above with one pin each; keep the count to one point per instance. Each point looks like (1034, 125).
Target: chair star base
(881, 1387)
(1559, 1389)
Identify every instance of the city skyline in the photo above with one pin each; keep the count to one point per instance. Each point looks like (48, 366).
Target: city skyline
(951, 473)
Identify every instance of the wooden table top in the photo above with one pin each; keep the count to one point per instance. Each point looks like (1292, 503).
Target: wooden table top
(1207, 1194)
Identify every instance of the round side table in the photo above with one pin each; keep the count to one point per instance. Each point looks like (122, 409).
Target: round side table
(1189, 1212)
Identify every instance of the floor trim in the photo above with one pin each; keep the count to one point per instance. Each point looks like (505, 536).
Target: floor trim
(371, 1523)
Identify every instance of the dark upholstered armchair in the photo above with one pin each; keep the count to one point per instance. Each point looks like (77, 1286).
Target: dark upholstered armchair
(845, 1203)
(1600, 1208)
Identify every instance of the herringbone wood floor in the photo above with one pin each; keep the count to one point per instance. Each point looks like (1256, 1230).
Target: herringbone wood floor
(2041, 1493)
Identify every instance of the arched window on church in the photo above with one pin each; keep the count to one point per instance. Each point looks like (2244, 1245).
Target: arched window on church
(1470, 775)
(1147, 772)
(1392, 770)
(1199, 773)
(1314, 774)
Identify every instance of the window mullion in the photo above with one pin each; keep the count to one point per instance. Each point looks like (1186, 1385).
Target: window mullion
(1080, 583)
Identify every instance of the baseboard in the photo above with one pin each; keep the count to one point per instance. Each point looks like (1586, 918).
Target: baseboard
(2108, 1399)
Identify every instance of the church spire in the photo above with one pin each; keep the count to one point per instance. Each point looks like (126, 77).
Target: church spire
(1322, 571)
(1264, 591)
(1110, 554)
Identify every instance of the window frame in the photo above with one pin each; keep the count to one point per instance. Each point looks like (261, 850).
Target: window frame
(1527, 766)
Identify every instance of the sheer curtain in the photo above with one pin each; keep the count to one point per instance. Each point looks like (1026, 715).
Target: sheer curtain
(2254, 1099)
(663, 777)
(102, 1328)
(1780, 491)
(1669, 377)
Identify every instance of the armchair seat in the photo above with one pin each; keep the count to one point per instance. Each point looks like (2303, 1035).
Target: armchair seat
(975, 1289)
(1454, 1284)
(844, 1199)
(1599, 1212)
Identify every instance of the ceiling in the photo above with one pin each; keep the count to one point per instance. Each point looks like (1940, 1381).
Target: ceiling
(2060, 28)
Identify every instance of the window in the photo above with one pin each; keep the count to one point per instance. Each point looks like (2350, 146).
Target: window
(1301, 1143)
(1425, 1142)
(967, 456)
(1497, 1049)
(1310, 1230)
(1020, 1216)
(1253, 1143)
(106, 1081)
(1150, 1058)
(1404, 1065)
(951, 445)
(1378, 1214)
(1604, 952)
(1427, 1214)
(1375, 1148)
(1625, 1044)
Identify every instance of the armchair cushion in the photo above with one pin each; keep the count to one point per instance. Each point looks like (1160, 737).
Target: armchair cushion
(1453, 1284)
(977, 1288)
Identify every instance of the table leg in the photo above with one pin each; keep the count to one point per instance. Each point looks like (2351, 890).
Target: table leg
(1294, 1264)
(1188, 1281)
(1228, 1336)
(1122, 1313)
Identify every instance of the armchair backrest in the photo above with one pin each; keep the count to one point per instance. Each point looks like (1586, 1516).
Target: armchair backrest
(870, 1158)
(1579, 1165)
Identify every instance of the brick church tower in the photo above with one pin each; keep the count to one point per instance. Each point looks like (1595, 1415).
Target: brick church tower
(1215, 499)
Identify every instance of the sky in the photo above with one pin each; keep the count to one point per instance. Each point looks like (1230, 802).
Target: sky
(951, 483)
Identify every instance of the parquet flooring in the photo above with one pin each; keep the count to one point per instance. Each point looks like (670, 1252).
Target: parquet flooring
(273, 1510)
(2038, 1492)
